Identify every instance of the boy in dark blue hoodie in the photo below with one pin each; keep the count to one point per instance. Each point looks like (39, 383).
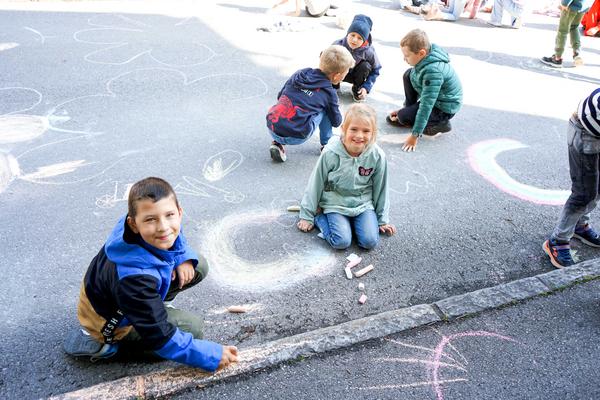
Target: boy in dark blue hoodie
(307, 101)
(144, 264)
(360, 44)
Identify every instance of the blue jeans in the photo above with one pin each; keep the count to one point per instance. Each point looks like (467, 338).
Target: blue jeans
(584, 167)
(325, 132)
(337, 229)
(513, 9)
(453, 10)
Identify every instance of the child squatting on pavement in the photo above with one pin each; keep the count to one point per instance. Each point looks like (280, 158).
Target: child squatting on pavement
(432, 90)
(583, 139)
(307, 101)
(126, 292)
(348, 188)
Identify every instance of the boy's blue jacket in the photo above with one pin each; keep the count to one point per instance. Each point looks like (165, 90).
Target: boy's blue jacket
(305, 95)
(365, 52)
(132, 276)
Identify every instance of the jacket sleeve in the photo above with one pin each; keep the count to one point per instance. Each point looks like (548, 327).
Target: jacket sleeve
(381, 192)
(431, 82)
(314, 189)
(333, 109)
(370, 81)
(140, 301)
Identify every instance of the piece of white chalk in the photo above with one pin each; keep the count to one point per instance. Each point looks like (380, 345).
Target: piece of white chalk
(348, 273)
(363, 271)
(354, 262)
(362, 299)
(295, 208)
(352, 257)
(237, 309)
(361, 286)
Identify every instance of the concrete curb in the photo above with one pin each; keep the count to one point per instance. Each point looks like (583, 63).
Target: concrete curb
(173, 380)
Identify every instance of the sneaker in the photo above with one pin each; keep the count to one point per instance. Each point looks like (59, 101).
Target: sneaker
(516, 23)
(577, 60)
(552, 61)
(560, 254)
(433, 130)
(494, 24)
(277, 152)
(587, 235)
(80, 343)
(395, 122)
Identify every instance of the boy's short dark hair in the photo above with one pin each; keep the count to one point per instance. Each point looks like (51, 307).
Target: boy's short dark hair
(416, 40)
(335, 59)
(150, 188)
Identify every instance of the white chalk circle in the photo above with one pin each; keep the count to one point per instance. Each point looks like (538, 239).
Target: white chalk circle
(230, 270)
(21, 128)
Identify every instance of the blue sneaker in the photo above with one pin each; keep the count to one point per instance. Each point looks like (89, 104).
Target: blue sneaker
(79, 343)
(560, 254)
(587, 235)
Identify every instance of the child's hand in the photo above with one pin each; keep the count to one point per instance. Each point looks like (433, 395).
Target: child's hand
(362, 93)
(388, 229)
(230, 355)
(394, 116)
(304, 225)
(410, 144)
(185, 272)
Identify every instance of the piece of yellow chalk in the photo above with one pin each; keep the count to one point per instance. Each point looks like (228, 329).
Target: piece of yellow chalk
(363, 271)
(293, 208)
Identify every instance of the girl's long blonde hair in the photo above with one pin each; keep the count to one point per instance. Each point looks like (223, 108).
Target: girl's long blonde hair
(364, 112)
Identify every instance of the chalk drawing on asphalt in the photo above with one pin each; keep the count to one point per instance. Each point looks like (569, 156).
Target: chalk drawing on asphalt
(231, 270)
(123, 39)
(111, 200)
(195, 187)
(443, 357)
(80, 114)
(41, 37)
(482, 158)
(221, 164)
(8, 45)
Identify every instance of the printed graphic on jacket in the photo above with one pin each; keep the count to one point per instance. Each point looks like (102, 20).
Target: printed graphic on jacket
(362, 171)
(283, 109)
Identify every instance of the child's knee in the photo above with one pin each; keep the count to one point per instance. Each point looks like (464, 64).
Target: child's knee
(202, 267)
(369, 242)
(340, 242)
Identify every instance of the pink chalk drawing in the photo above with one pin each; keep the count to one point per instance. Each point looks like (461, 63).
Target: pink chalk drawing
(444, 356)
(439, 352)
(482, 158)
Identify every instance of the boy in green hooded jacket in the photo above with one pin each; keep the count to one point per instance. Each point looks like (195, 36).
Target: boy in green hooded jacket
(432, 89)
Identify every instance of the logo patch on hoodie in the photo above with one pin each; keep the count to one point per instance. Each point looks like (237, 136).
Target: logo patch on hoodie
(362, 171)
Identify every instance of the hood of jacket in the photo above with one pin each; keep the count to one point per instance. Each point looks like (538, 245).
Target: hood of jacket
(126, 248)
(310, 79)
(436, 54)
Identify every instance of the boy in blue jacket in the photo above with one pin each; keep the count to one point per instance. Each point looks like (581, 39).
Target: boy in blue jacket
(360, 44)
(307, 101)
(126, 291)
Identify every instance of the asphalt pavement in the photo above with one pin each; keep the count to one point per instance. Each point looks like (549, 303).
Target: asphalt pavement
(544, 348)
(95, 95)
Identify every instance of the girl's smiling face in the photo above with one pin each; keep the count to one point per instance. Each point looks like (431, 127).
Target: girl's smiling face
(357, 136)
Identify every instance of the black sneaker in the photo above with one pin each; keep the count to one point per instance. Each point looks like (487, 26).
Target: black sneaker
(79, 343)
(560, 254)
(587, 235)
(552, 61)
(277, 152)
(433, 130)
